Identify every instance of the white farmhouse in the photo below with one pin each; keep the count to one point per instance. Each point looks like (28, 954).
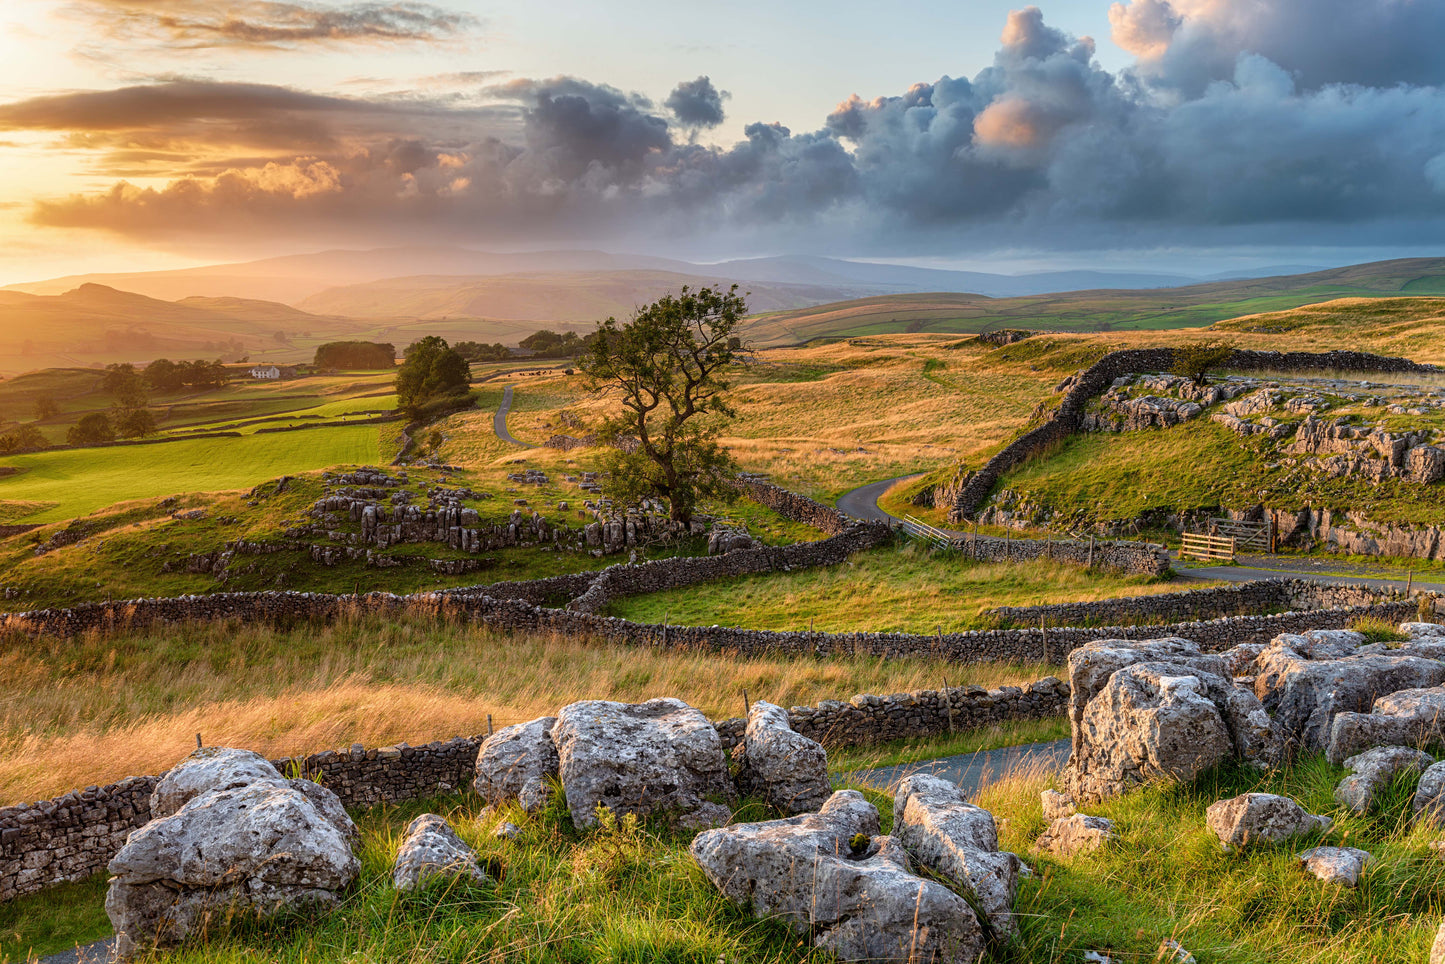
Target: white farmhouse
(265, 371)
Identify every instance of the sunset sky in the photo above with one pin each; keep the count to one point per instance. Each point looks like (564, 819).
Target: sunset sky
(1159, 133)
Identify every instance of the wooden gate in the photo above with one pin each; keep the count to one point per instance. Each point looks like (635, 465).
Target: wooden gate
(1212, 548)
(1247, 535)
(922, 531)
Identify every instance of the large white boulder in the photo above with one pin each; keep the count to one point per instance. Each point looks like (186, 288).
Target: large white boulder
(1411, 717)
(952, 837)
(518, 763)
(641, 758)
(430, 848)
(210, 768)
(254, 841)
(1076, 833)
(1252, 818)
(834, 880)
(782, 766)
(1154, 720)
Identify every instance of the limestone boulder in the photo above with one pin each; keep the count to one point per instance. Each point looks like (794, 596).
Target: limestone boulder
(950, 836)
(518, 763)
(641, 758)
(835, 881)
(1241, 660)
(210, 768)
(1335, 865)
(1163, 721)
(1373, 770)
(431, 849)
(1305, 683)
(1075, 834)
(262, 848)
(724, 540)
(1411, 717)
(1253, 818)
(785, 768)
(1423, 630)
(1429, 802)
(1437, 949)
(1056, 805)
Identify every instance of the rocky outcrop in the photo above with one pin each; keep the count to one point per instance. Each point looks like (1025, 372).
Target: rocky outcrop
(1056, 805)
(950, 836)
(1305, 681)
(1253, 818)
(1075, 834)
(1341, 866)
(518, 763)
(431, 849)
(1411, 717)
(1137, 718)
(720, 541)
(835, 881)
(244, 840)
(640, 758)
(1373, 770)
(785, 768)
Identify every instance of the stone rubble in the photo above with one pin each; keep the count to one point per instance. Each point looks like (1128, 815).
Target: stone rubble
(430, 849)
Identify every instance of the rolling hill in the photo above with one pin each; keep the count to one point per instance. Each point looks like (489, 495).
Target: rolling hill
(94, 324)
(1102, 309)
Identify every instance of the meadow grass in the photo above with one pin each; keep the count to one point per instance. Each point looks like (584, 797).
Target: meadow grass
(100, 707)
(908, 589)
(78, 481)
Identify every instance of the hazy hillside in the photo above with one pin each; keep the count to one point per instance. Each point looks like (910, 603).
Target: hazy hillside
(563, 297)
(95, 324)
(1101, 310)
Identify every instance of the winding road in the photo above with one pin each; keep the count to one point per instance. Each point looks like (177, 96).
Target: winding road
(862, 503)
(499, 421)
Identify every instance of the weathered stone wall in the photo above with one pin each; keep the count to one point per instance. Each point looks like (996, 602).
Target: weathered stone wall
(1069, 416)
(1135, 558)
(74, 836)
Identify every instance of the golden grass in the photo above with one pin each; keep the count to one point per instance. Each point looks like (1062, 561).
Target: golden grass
(98, 708)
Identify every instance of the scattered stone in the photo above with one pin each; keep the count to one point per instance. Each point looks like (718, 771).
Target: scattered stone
(1437, 950)
(785, 768)
(1172, 952)
(1075, 834)
(1422, 630)
(947, 834)
(1252, 818)
(640, 758)
(832, 878)
(431, 849)
(518, 763)
(246, 840)
(1335, 865)
(1373, 770)
(506, 830)
(1057, 805)
(1429, 802)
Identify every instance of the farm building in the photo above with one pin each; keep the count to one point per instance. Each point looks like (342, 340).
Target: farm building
(265, 371)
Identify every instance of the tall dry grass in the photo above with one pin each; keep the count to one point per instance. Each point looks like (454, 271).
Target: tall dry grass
(98, 708)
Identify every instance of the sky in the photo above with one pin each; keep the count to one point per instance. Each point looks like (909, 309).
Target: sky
(1181, 135)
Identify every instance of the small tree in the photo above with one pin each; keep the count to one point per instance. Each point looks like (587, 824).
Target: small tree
(92, 429)
(1195, 361)
(668, 364)
(432, 372)
(22, 438)
(46, 407)
(134, 422)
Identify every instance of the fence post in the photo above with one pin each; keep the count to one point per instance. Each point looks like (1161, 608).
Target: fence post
(747, 707)
(489, 724)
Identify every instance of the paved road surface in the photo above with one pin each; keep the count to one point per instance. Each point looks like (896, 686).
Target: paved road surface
(971, 771)
(862, 503)
(97, 953)
(499, 420)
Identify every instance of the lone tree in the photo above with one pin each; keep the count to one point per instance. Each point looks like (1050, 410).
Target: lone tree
(1194, 361)
(92, 429)
(432, 377)
(668, 364)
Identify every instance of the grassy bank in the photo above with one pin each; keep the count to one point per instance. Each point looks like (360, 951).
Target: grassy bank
(904, 589)
(98, 708)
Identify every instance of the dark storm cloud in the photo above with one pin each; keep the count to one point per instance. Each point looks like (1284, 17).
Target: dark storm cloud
(1043, 148)
(697, 103)
(191, 24)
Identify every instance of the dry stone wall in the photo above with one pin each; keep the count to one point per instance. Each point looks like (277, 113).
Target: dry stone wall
(1134, 558)
(73, 836)
(1080, 388)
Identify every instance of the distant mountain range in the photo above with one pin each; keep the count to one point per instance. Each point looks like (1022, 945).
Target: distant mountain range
(297, 278)
(279, 310)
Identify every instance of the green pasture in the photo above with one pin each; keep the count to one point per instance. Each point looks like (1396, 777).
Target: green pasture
(74, 482)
